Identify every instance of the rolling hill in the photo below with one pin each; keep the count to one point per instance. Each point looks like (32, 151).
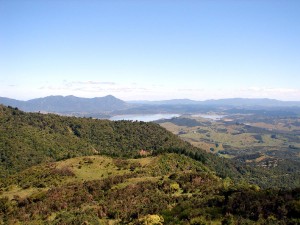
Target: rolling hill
(67, 170)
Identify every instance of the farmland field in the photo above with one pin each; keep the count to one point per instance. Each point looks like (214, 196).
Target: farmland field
(237, 136)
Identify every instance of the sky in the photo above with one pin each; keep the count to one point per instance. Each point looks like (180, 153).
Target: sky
(150, 49)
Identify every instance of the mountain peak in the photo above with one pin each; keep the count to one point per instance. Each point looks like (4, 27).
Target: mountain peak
(69, 104)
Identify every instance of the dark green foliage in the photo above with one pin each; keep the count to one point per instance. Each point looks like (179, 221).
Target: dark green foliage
(4, 205)
(254, 205)
(76, 218)
(31, 138)
(243, 206)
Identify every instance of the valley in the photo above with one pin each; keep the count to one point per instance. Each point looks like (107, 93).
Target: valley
(233, 134)
(261, 141)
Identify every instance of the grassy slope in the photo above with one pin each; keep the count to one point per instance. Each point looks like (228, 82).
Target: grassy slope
(87, 168)
(34, 183)
(170, 187)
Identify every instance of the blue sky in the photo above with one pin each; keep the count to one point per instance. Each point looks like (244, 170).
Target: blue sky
(150, 50)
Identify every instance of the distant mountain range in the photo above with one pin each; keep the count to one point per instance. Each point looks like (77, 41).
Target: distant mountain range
(68, 104)
(224, 102)
(108, 105)
(167, 102)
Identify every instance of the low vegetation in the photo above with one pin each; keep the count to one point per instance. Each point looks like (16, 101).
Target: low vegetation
(169, 189)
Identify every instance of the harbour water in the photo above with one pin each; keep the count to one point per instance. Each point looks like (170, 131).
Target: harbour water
(144, 117)
(210, 116)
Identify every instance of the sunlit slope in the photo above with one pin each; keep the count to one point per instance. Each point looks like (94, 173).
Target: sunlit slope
(168, 189)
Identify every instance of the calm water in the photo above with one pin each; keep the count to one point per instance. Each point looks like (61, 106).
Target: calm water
(144, 117)
(207, 116)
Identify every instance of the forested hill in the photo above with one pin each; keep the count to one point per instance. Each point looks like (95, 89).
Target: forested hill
(29, 139)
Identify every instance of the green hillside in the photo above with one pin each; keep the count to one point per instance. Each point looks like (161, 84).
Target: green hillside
(28, 139)
(165, 189)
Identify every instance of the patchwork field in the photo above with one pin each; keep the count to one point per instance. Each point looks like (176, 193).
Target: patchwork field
(239, 135)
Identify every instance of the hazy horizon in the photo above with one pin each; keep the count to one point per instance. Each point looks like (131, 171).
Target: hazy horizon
(150, 50)
(141, 100)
